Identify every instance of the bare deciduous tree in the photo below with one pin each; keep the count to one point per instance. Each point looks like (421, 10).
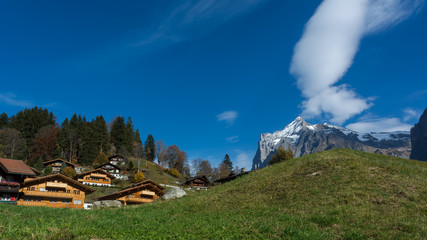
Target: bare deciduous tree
(12, 142)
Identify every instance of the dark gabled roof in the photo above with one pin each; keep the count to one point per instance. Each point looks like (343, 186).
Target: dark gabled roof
(117, 155)
(203, 178)
(108, 164)
(75, 183)
(127, 191)
(37, 172)
(145, 182)
(230, 177)
(95, 170)
(12, 166)
(57, 160)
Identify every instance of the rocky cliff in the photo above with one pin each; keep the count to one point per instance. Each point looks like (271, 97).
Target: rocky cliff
(304, 138)
(419, 139)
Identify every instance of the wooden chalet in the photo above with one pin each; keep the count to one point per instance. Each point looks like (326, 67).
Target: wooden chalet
(114, 170)
(12, 174)
(117, 160)
(198, 182)
(144, 192)
(57, 191)
(97, 177)
(58, 164)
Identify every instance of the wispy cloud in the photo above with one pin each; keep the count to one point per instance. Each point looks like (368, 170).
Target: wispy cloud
(380, 125)
(232, 139)
(411, 114)
(12, 100)
(327, 49)
(190, 18)
(228, 116)
(15, 101)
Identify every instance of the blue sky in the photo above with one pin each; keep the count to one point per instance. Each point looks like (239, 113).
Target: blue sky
(211, 76)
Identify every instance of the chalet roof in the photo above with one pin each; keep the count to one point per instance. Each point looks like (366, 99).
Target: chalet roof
(117, 167)
(58, 160)
(117, 155)
(230, 177)
(99, 170)
(72, 182)
(37, 172)
(203, 178)
(12, 166)
(145, 182)
(124, 192)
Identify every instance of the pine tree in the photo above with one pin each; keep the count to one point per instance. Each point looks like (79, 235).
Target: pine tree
(228, 162)
(29, 121)
(150, 149)
(138, 149)
(130, 166)
(4, 121)
(100, 134)
(118, 135)
(129, 136)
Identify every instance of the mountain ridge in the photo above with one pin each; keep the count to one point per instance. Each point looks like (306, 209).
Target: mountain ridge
(304, 138)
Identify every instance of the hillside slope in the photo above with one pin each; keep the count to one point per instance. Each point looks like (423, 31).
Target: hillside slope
(329, 195)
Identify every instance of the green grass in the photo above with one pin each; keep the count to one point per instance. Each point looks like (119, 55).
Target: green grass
(338, 194)
(154, 172)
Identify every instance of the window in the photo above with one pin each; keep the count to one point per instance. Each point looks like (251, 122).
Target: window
(77, 202)
(68, 190)
(77, 192)
(33, 188)
(28, 188)
(53, 201)
(65, 201)
(43, 190)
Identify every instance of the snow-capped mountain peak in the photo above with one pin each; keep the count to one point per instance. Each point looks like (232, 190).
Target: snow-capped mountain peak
(304, 138)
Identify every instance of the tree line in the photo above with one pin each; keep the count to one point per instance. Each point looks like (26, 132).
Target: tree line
(33, 134)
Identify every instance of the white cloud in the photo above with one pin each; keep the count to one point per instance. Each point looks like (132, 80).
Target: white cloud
(243, 160)
(11, 99)
(411, 114)
(228, 116)
(193, 17)
(380, 125)
(327, 49)
(232, 139)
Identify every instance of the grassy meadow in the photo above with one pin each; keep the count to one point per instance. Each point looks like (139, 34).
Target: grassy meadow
(337, 194)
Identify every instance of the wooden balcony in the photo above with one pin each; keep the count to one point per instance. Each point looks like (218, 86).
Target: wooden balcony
(47, 204)
(56, 185)
(148, 193)
(137, 200)
(98, 175)
(48, 194)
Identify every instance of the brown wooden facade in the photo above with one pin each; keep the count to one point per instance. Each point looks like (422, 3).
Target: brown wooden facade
(97, 177)
(144, 192)
(200, 181)
(57, 191)
(12, 174)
